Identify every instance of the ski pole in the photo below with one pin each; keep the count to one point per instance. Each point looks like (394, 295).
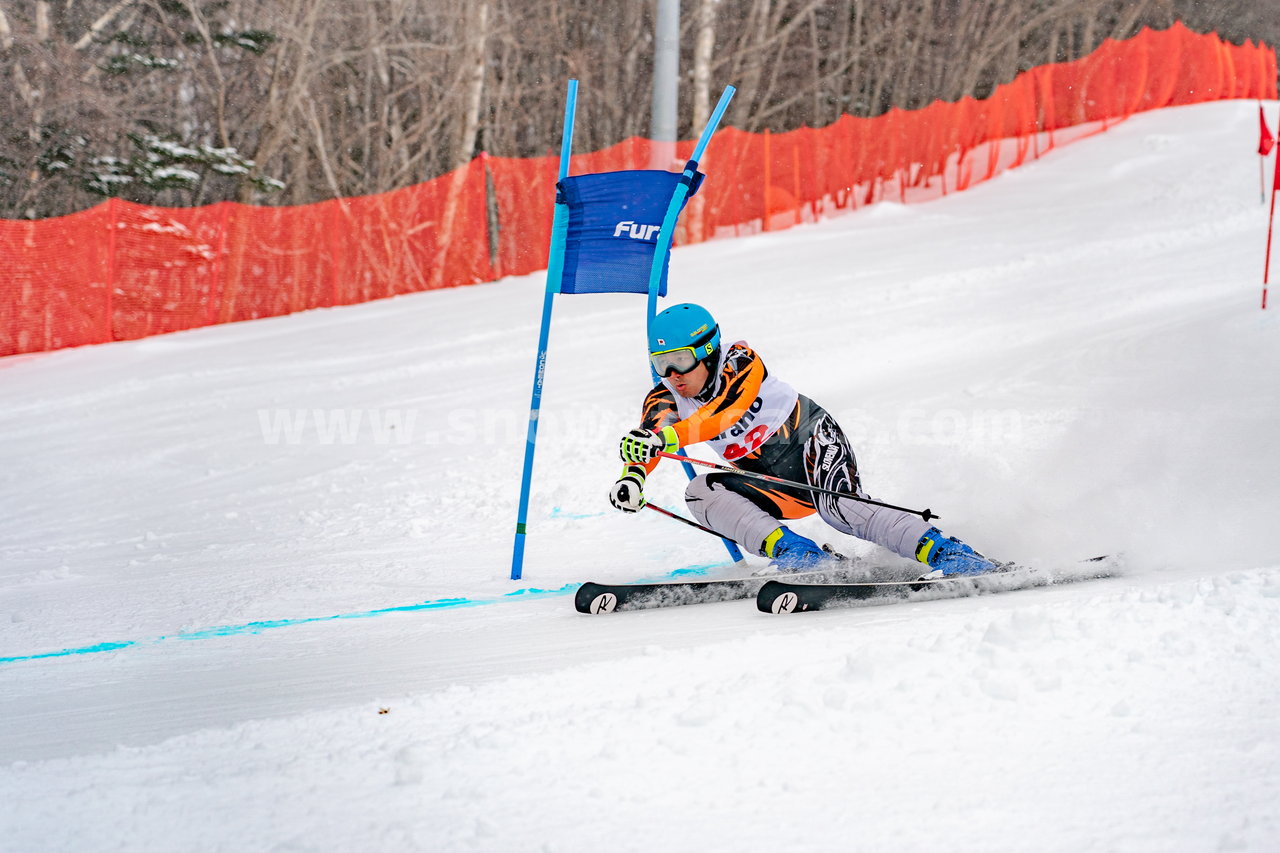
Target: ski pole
(925, 514)
(669, 514)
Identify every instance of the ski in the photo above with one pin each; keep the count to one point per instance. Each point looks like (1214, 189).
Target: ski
(595, 597)
(788, 596)
(606, 598)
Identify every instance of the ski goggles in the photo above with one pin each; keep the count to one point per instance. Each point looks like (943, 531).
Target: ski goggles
(680, 360)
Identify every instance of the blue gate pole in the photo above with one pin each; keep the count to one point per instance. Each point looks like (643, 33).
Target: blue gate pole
(555, 272)
(667, 233)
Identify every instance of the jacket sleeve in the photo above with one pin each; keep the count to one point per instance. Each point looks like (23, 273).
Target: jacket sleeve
(659, 412)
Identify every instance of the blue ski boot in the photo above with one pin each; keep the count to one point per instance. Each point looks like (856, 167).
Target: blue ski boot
(949, 557)
(792, 552)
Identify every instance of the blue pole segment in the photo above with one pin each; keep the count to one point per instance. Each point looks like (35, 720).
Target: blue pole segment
(555, 271)
(566, 135)
(712, 123)
(667, 234)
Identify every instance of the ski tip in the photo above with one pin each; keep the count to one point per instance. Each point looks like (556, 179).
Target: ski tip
(593, 598)
(776, 597)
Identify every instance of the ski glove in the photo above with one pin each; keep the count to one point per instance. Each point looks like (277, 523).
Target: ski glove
(641, 445)
(628, 493)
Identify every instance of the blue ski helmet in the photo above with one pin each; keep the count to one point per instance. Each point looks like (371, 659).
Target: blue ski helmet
(680, 331)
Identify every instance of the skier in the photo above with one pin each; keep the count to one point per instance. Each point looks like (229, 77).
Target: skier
(757, 422)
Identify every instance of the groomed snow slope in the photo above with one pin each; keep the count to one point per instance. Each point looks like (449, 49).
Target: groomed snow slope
(206, 601)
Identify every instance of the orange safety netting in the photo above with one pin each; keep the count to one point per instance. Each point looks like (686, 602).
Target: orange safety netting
(121, 270)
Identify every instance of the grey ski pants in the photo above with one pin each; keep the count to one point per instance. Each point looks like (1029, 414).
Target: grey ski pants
(747, 510)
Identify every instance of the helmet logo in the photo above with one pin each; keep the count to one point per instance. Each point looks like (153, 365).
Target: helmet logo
(661, 342)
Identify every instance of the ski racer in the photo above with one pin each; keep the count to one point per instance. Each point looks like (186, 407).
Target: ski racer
(757, 422)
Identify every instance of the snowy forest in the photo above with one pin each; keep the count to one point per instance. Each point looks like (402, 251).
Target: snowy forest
(189, 102)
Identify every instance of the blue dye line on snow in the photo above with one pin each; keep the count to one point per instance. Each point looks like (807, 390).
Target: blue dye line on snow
(697, 570)
(85, 650)
(269, 624)
(266, 625)
(557, 512)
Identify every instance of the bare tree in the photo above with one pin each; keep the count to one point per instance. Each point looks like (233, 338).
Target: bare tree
(293, 101)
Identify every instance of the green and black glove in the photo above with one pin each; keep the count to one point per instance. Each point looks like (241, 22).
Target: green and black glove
(642, 445)
(628, 493)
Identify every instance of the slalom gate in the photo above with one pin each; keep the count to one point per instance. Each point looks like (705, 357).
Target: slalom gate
(121, 271)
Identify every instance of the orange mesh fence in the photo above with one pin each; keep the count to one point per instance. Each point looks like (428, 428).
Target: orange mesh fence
(123, 271)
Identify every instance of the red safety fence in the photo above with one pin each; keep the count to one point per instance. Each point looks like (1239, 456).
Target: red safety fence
(121, 271)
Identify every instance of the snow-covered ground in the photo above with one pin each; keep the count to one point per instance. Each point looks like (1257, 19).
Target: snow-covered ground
(228, 623)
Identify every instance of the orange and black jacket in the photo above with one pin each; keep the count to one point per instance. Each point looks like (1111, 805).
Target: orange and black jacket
(722, 404)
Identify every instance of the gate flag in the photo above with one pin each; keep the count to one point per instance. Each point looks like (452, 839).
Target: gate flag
(1265, 143)
(612, 234)
(1271, 217)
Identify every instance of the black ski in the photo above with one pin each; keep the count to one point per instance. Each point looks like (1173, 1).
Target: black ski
(788, 596)
(791, 597)
(606, 598)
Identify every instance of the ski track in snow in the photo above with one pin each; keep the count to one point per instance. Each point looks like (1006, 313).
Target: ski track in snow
(1067, 360)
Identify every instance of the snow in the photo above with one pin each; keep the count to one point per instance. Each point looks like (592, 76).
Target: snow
(239, 610)
(174, 173)
(169, 148)
(150, 61)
